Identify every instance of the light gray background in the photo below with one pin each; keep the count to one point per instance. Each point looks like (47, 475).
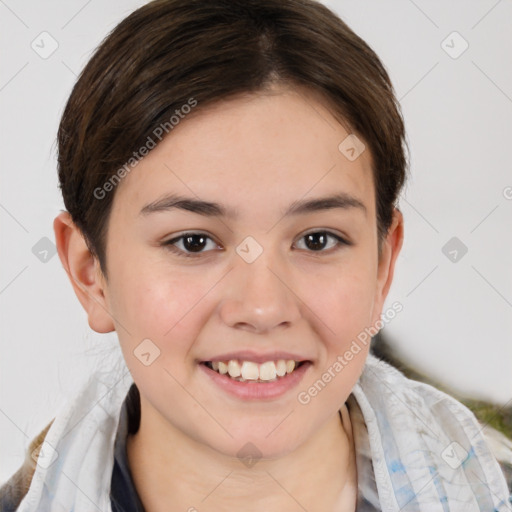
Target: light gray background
(456, 322)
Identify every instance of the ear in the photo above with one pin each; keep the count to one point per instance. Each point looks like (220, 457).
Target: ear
(84, 272)
(391, 247)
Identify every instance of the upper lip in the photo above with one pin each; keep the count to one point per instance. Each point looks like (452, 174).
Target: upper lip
(250, 355)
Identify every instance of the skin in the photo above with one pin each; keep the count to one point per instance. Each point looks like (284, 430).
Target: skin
(292, 297)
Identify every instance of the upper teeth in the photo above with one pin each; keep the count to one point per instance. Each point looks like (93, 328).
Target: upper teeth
(248, 370)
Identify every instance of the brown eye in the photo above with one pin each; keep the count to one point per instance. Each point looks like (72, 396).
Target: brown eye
(317, 241)
(192, 244)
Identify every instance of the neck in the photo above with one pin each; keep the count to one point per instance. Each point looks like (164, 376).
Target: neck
(318, 475)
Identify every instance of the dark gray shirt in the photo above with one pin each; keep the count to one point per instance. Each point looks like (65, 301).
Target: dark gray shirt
(123, 495)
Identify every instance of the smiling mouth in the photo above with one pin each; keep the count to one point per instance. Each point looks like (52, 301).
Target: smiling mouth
(248, 371)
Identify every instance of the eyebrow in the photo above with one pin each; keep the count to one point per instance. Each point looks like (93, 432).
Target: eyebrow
(341, 200)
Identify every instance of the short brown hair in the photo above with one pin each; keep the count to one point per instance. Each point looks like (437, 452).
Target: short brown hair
(169, 51)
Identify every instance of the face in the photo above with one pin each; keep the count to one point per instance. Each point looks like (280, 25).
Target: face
(243, 269)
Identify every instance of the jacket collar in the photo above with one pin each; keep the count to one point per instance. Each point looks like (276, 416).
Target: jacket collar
(426, 451)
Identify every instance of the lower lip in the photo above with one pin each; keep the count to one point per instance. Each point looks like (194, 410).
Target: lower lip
(257, 390)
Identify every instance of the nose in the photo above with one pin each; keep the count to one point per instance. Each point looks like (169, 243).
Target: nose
(260, 296)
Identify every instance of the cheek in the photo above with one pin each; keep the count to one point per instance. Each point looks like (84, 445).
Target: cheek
(342, 300)
(157, 304)
(342, 307)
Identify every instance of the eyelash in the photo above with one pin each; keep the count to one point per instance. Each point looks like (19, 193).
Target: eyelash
(169, 244)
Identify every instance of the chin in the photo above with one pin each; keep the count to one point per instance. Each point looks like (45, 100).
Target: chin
(258, 443)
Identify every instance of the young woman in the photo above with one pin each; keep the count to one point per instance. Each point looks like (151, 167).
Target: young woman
(230, 170)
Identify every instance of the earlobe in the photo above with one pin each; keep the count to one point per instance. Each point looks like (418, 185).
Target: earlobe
(82, 269)
(391, 247)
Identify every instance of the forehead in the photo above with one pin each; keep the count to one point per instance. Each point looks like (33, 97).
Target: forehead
(252, 152)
